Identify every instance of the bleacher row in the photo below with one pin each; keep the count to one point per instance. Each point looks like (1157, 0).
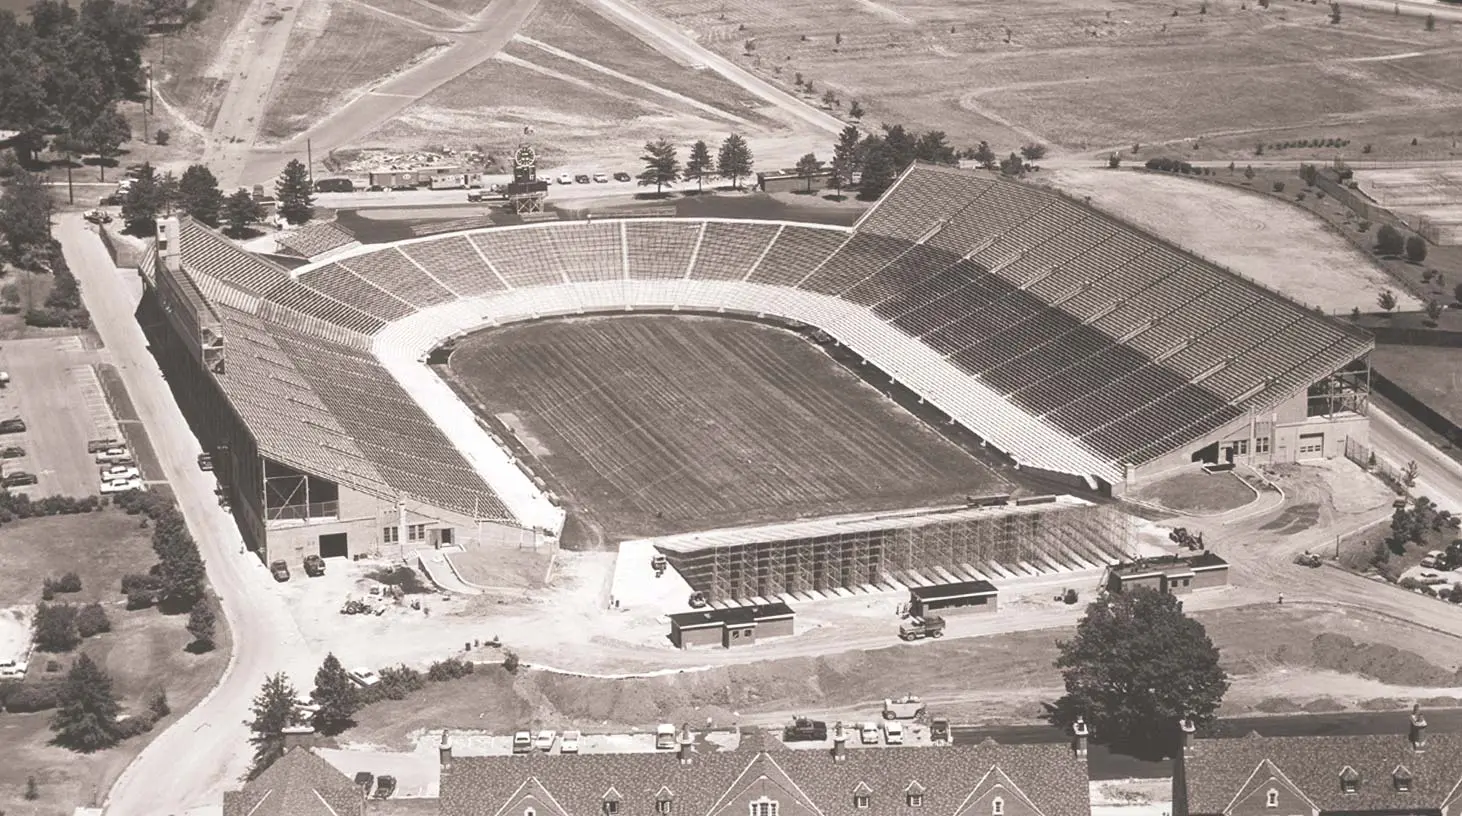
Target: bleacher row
(957, 283)
(315, 240)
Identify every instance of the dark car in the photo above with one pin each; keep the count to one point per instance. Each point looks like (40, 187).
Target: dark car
(111, 200)
(8, 426)
(582, 178)
(621, 176)
(12, 452)
(205, 461)
(385, 786)
(335, 185)
(280, 571)
(364, 780)
(805, 730)
(314, 565)
(18, 479)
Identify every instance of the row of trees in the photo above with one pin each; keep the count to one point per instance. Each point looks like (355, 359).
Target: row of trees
(662, 163)
(197, 193)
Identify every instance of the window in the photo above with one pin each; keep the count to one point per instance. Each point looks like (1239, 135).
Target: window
(390, 535)
(529, 812)
(916, 800)
(1271, 799)
(446, 535)
(611, 807)
(662, 807)
(997, 807)
(416, 532)
(763, 807)
(860, 801)
(1261, 444)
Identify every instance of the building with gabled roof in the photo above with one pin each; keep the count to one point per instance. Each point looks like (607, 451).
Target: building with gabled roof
(1415, 773)
(988, 779)
(299, 783)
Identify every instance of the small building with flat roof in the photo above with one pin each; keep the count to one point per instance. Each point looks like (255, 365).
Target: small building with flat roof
(1173, 574)
(733, 626)
(968, 596)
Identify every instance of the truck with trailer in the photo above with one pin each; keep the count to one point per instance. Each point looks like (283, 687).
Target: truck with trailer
(930, 626)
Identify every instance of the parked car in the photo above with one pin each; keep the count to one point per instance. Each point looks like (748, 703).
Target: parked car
(121, 485)
(545, 740)
(601, 178)
(18, 478)
(314, 565)
(365, 780)
(110, 200)
(364, 677)
(8, 426)
(474, 195)
(893, 733)
(335, 185)
(113, 455)
(98, 216)
(621, 176)
(385, 786)
(205, 461)
(305, 709)
(114, 472)
(522, 742)
(13, 669)
(582, 178)
(1434, 559)
(565, 178)
(12, 452)
(569, 744)
(868, 733)
(280, 570)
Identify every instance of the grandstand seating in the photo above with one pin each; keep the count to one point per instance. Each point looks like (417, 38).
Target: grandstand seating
(212, 254)
(919, 202)
(797, 251)
(730, 249)
(345, 286)
(396, 272)
(862, 257)
(587, 250)
(520, 256)
(295, 295)
(661, 249)
(315, 240)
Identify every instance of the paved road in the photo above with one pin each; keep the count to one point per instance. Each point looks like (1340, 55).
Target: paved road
(1104, 764)
(1439, 477)
(191, 763)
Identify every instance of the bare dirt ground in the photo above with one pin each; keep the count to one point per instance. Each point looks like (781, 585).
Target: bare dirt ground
(1253, 235)
(1433, 194)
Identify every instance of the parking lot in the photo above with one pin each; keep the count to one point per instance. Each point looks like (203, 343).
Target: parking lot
(55, 390)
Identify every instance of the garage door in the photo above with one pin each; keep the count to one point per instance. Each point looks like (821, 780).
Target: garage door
(334, 545)
(1312, 446)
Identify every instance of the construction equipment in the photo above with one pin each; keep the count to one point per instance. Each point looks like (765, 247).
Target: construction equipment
(1307, 559)
(802, 729)
(906, 707)
(659, 564)
(931, 626)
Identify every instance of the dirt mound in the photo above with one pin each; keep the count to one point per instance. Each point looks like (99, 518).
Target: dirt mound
(1324, 705)
(1379, 661)
(1277, 705)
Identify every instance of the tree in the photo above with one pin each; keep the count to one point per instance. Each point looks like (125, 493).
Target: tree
(699, 164)
(1249, 172)
(199, 196)
(182, 572)
(104, 136)
(145, 199)
(845, 158)
(273, 711)
(1433, 311)
(201, 622)
(92, 620)
(32, 790)
(662, 166)
(1334, 14)
(901, 145)
(985, 156)
(1431, 22)
(292, 188)
(1033, 152)
(734, 159)
(1114, 161)
(1012, 165)
(1416, 249)
(1457, 292)
(1386, 300)
(855, 110)
(1137, 666)
(336, 694)
(878, 169)
(934, 147)
(87, 709)
(808, 167)
(1389, 240)
(239, 211)
(829, 99)
(25, 213)
(163, 12)
(55, 628)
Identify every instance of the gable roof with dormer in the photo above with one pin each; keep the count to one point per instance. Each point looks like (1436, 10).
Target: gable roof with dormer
(1218, 771)
(299, 783)
(721, 783)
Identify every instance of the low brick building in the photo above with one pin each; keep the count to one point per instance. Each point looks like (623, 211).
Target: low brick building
(734, 626)
(1173, 574)
(961, 596)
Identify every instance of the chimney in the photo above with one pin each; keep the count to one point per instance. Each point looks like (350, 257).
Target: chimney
(685, 740)
(444, 751)
(1186, 726)
(840, 743)
(169, 245)
(1080, 731)
(1418, 729)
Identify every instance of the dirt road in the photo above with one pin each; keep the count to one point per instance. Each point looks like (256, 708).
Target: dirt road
(191, 763)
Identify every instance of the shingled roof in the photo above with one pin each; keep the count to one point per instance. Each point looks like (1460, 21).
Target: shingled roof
(1217, 772)
(299, 783)
(951, 780)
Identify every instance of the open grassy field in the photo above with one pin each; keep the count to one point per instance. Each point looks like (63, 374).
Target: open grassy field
(184, 73)
(333, 56)
(661, 424)
(1433, 374)
(143, 653)
(1195, 491)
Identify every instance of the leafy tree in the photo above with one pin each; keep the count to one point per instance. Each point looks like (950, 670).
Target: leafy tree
(699, 164)
(163, 12)
(273, 711)
(934, 147)
(86, 714)
(855, 110)
(158, 705)
(199, 196)
(985, 156)
(829, 99)
(807, 167)
(1136, 666)
(845, 158)
(292, 188)
(145, 200)
(55, 628)
(1012, 165)
(662, 166)
(201, 623)
(1457, 292)
(1433, 311)
(734, 159)
(92, 620)
(1386, 300)
(878, 169)
(1389, 241)
(1033, 152)
(104, 136)
(25, 213)
(32, 790)
(336, 694)
(1431, 22)
(1334, 14)
(1416, 249)
(1114, 161)
(239, 211)
(1249, 172)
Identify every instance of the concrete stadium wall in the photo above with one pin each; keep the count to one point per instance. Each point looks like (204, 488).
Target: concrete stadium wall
(1416, 406)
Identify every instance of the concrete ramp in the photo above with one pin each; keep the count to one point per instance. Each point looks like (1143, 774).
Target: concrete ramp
(439, 569)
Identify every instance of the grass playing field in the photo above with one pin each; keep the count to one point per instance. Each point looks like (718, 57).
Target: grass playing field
(659, 424)
(1432, 374)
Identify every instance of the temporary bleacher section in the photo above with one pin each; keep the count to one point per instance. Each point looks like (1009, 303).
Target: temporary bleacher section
(316, 240)
(1065, 338)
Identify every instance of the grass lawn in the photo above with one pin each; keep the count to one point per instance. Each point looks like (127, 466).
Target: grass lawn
(488, 566)
(1433, 374)
(144, 652)
(1194, 491)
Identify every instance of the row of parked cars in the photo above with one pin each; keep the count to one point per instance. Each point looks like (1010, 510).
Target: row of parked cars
(314, 566)
(14, 478)
(526, 742)
(585, 178)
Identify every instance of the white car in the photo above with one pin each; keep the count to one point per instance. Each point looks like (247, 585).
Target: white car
(545, 740)
(565, 178)
(601, 178)
(114, 472)
(893, 733)
(1433, 559)
(365, 677)
(121, 485)
(522, 742)
(570, 743)
(113, 455)
(13, 669)
(868, 733)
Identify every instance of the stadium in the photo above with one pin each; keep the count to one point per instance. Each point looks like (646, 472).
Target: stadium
(1073, 348)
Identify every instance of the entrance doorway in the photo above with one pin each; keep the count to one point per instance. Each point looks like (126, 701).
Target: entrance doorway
(333, 545)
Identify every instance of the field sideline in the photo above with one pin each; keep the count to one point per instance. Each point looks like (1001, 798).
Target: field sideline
(652, 425)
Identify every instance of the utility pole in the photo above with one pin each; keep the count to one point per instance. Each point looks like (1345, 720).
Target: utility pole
(70, 193)
(309, 164)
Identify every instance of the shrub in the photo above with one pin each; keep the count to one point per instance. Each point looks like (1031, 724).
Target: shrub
(1416, 249)
(134, 726)
(1278, 186)
(1389, 241)
(1364, 226)
(158, 705)
(27, 698)
(140, 599)
(56, 628)
(133, 581)
(396, 683)
(48, 590)
(92, 620)
(404, 577)
(450, 669)
(70, 582)
(511, 661)
(163, 137)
